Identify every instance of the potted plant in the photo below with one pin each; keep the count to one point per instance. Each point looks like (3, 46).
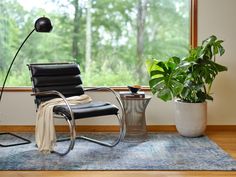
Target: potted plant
(188, 80)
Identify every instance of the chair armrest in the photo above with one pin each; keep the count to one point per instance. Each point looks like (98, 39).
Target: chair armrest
(54, 92)
(112, 91)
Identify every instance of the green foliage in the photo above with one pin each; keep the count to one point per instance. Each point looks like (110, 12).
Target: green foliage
(190, 78)
(101, 75)
(114, 38)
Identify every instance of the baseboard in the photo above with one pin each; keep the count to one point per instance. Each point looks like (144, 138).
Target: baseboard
(109, 128)
(221, 128)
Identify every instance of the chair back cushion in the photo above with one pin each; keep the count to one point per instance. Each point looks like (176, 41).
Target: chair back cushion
(62, 77)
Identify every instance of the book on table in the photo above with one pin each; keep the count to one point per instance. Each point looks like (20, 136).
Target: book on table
(139, 94)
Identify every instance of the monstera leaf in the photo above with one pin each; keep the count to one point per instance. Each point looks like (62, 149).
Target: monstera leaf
(165, 77)
(189, 78)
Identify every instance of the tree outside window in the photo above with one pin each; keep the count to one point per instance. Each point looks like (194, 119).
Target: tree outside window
(109, 39)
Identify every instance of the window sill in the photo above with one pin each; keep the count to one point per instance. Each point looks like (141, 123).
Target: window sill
(29, 89)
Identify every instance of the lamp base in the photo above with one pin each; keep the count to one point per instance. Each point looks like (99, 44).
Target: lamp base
(25, 141)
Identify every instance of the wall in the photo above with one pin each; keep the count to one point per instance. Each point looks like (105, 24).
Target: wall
(218, 17)
(17, 112)
(215, 17)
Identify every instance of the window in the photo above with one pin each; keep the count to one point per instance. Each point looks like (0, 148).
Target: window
(109, 39)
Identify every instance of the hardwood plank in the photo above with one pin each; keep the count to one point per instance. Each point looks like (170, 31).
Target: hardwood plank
(225, 139)
(117, 174)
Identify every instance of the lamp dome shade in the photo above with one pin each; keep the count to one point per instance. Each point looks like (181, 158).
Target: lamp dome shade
(43, 24)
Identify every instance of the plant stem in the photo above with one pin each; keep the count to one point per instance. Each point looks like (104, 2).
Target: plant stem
(204, 87)
(209, 88)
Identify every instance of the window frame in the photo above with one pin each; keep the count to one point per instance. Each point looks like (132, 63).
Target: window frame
(193, 43)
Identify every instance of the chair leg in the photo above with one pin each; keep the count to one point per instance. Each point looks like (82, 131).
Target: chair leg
(25, 141)
(115, 142)
(71, 139)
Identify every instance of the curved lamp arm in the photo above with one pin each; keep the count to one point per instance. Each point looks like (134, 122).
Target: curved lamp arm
(9, 69)
(42, 24)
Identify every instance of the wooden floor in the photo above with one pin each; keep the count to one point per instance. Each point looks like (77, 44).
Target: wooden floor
(225, 139)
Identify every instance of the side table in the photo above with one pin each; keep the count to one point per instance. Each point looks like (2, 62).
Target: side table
(134, 116)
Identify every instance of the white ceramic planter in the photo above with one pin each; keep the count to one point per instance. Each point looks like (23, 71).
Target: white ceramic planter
(190, 118)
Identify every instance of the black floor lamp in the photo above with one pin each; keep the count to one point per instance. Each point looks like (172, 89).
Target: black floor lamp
(42, 24)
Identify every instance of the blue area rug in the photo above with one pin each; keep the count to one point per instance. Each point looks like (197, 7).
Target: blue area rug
(160, 151)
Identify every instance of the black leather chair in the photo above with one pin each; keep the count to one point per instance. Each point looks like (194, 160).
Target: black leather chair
(63, 80)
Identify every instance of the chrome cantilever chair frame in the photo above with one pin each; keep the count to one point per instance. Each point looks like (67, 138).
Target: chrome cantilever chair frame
(24, 140)
(72, 124)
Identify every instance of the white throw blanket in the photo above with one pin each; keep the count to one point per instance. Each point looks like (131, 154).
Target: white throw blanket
(45, 135)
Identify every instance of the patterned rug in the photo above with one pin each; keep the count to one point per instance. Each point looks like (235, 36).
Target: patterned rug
(161, 151)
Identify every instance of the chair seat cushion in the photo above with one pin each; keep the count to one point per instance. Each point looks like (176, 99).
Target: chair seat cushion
(87, 110)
